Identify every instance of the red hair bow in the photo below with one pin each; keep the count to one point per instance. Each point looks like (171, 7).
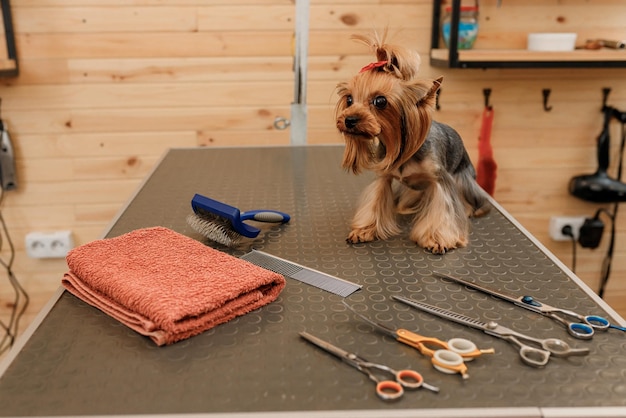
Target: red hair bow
(373, 66)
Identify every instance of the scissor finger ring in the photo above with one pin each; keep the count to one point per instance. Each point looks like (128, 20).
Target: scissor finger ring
(462, 346)
(580, 331)
(597, 322)
(534, 356)
(562, 349)
(389, 390)
(410, 379)
(449, 362)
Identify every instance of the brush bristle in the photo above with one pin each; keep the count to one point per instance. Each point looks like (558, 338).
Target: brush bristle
(215, 228)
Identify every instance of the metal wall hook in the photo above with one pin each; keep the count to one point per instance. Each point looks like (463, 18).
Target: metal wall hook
(546, 97)
(487, 94)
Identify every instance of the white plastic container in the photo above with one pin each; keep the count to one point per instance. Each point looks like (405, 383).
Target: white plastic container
(551, 41)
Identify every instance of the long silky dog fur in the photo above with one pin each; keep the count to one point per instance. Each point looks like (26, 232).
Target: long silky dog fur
(422, 167)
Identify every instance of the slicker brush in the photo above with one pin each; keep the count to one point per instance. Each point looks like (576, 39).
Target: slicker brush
(224, 224)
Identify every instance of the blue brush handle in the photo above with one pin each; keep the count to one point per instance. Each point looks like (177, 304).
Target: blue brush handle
(266, 215)
(236, 218)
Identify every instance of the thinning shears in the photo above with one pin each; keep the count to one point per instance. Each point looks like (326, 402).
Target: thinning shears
(385, 389)
(583, 330)
(533, 356)
(447, 357)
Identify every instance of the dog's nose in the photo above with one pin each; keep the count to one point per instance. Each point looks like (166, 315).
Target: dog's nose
(351, 122)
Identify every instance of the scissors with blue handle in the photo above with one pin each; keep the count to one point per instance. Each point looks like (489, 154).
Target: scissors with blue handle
(583, 330)
(447, 356)
(532, 356)
(385, 389)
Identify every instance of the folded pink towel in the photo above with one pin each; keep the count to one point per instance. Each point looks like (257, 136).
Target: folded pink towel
(165, 285)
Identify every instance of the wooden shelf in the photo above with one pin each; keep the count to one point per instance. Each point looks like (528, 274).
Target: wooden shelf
(475, 58)
(511, 58)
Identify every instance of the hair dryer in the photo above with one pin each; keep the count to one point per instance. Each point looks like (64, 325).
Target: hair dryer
(599, 187)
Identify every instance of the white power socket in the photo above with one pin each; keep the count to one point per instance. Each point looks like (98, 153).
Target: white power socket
(558, 222)
(49, 244)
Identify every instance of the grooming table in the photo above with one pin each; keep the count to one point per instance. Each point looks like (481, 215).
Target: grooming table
(75, 360)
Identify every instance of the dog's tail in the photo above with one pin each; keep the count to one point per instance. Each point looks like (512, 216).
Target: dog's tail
(473, 194)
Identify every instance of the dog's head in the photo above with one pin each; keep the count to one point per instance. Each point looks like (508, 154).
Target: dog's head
(384, 112)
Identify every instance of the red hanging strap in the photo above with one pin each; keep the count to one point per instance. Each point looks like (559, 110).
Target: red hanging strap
(487, 167)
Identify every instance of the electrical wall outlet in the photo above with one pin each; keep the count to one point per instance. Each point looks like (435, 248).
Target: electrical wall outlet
(49, 244)
(558, 222)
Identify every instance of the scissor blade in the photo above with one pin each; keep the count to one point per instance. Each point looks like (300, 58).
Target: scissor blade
(443, 313)
(325, 345)
(386, 330)
(486, 290)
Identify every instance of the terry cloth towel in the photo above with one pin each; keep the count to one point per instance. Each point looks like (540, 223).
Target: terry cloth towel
(165, 285)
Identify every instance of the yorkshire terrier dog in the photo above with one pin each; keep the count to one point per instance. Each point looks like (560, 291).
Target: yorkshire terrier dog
(385, 116)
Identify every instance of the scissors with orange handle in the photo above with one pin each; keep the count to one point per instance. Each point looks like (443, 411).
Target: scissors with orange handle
(531, 355)
(385, 389)
(447, 357)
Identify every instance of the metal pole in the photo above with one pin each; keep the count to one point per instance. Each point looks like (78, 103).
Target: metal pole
(298, 107)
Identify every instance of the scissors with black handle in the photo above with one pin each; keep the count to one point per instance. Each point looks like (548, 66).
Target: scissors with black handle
(532, 356)
(583, 330)
(386, 389)
(447, 356)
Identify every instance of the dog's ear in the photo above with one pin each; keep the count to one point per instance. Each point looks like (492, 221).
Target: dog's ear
(431, 95)
(437, 82)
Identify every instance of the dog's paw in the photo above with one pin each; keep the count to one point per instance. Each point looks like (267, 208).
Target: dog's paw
(439, 249)
(361, 235)
(439, 246)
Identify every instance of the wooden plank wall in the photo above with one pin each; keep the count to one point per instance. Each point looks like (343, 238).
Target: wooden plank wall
(106, 86)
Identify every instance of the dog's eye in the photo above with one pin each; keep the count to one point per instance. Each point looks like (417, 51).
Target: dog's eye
(349, 100)
(380, 102)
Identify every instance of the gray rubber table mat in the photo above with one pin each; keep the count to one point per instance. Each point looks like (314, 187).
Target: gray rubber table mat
(81, 362)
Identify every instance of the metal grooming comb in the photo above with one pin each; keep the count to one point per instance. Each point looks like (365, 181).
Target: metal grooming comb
(303, 274)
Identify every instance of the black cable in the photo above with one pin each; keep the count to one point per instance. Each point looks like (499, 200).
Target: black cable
(621, 152)
(567, 231)
(21, 296)
(608, 258)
